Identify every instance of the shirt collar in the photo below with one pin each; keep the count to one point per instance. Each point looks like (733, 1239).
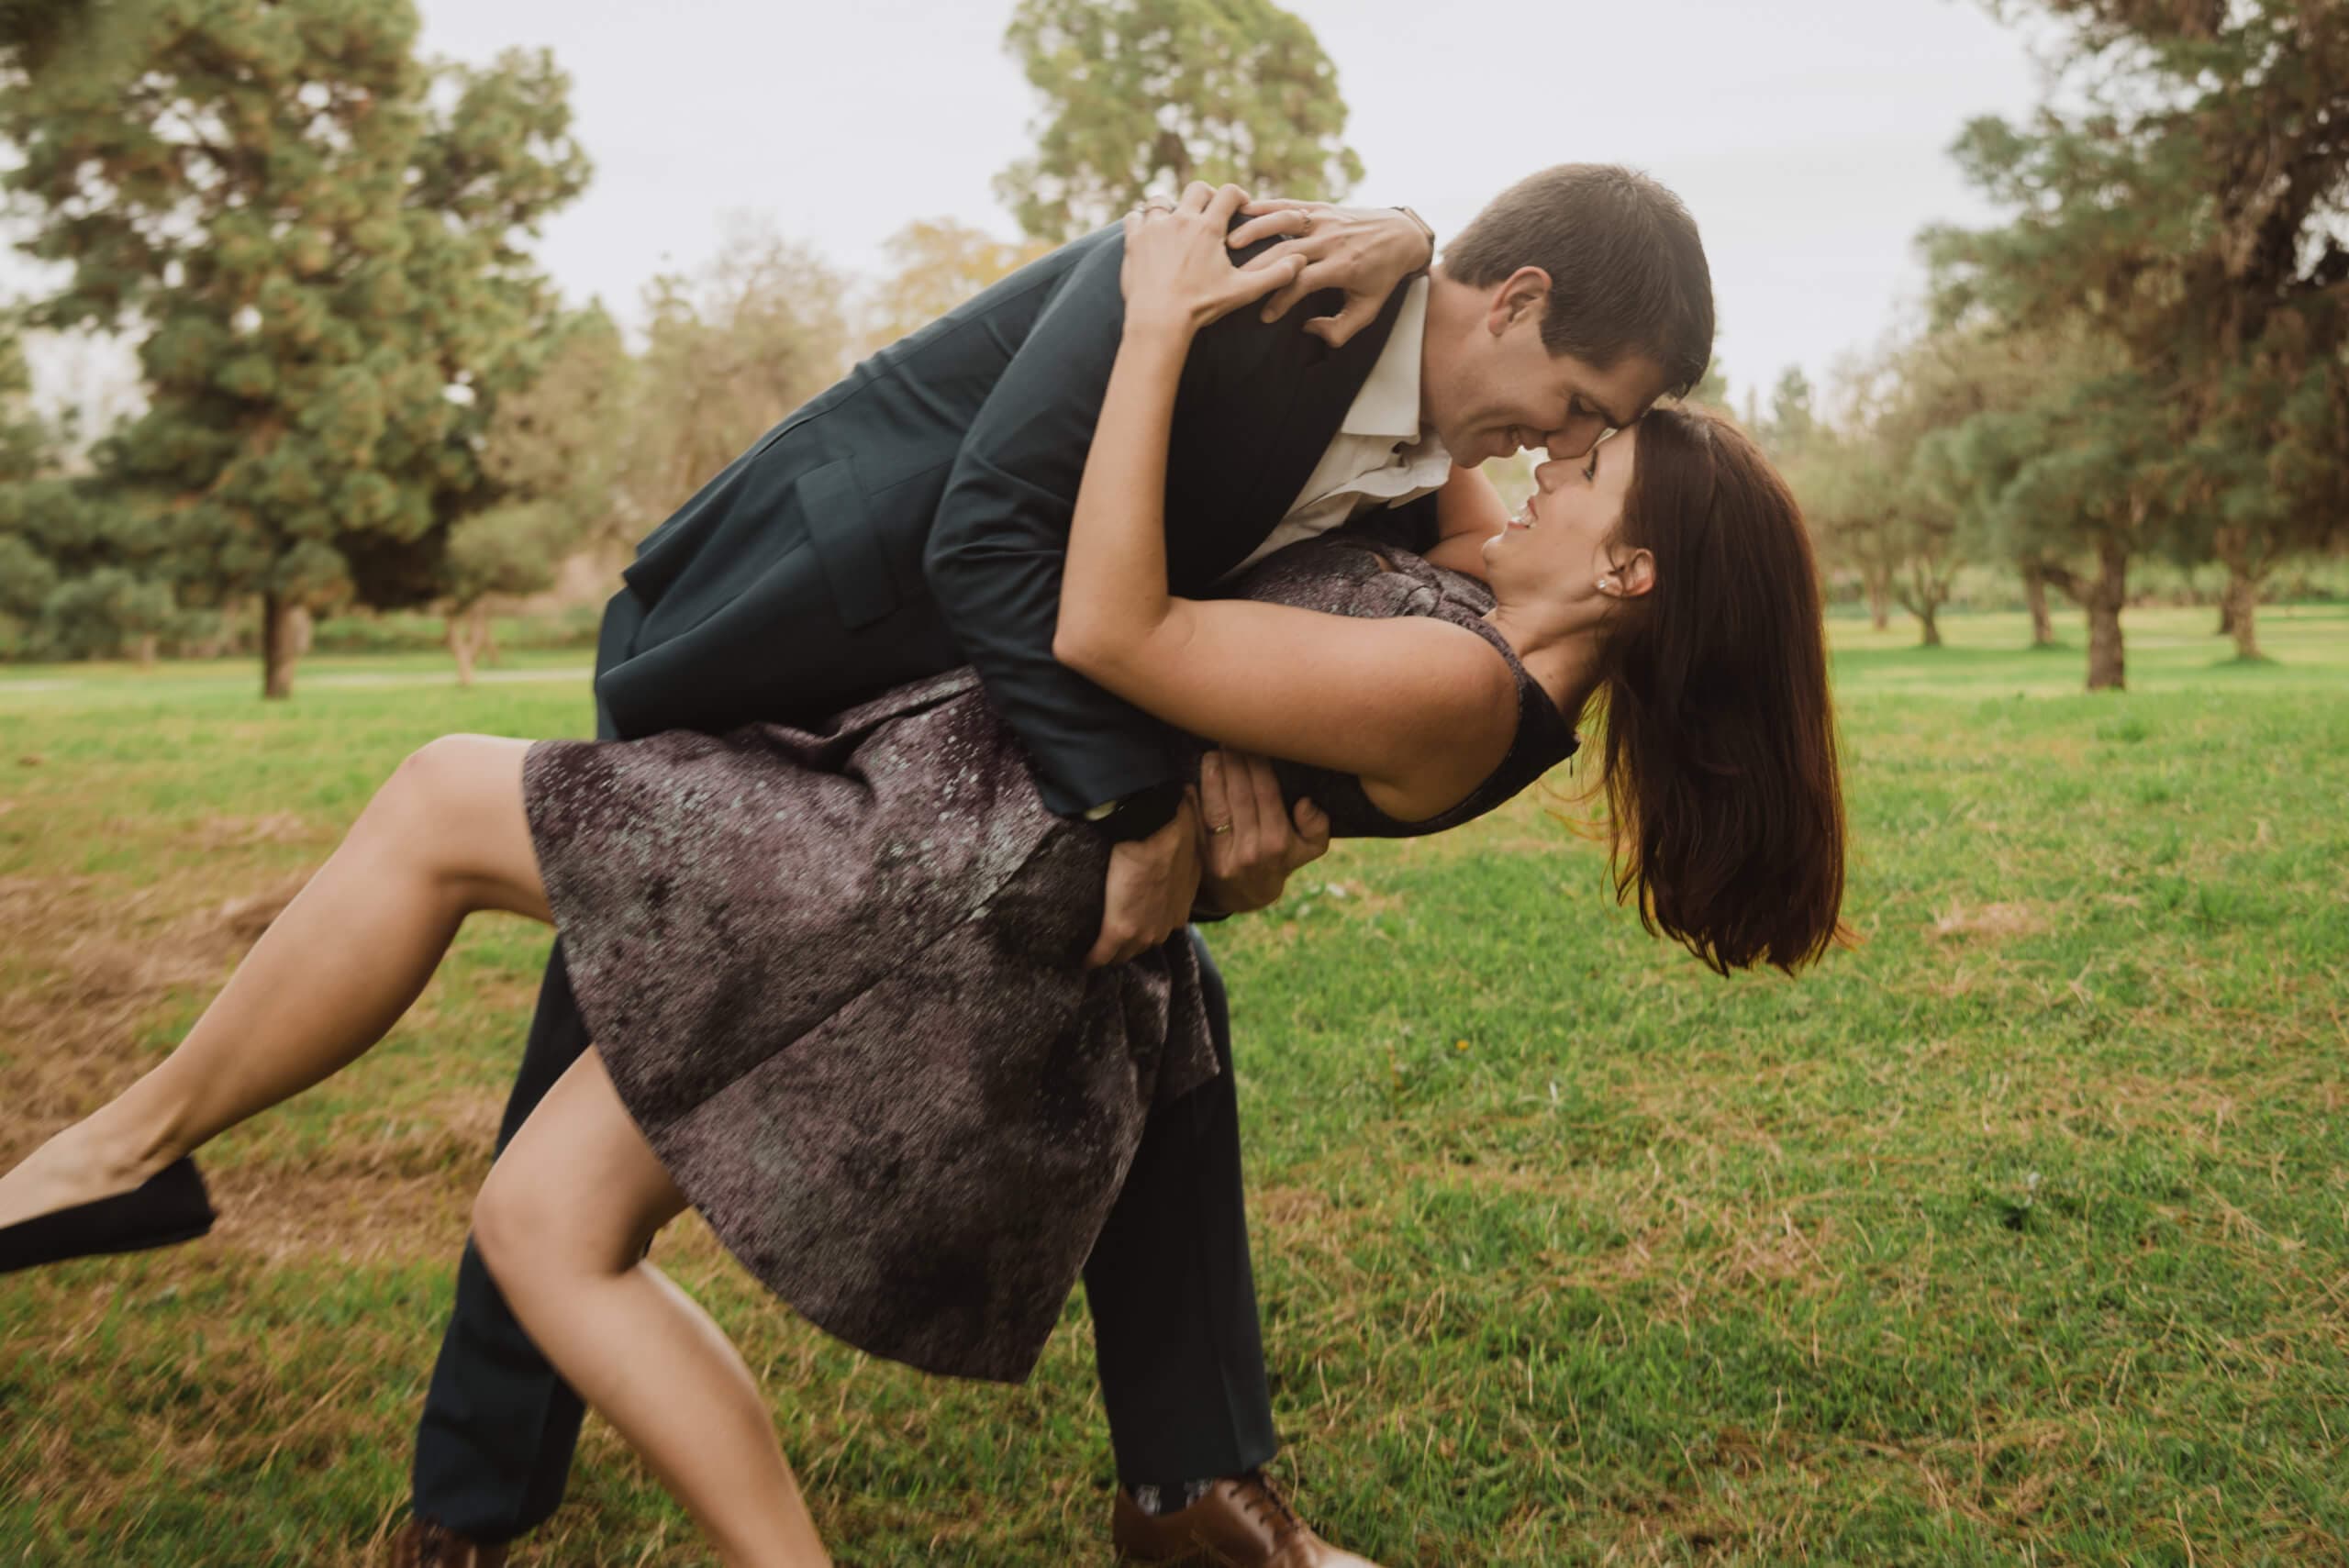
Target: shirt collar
(1389, 403)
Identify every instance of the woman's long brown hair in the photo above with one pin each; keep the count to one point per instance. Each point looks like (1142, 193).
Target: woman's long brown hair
(1725, 803)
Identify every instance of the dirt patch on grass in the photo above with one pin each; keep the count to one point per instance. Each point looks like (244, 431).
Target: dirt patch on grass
(90, 971)
(94, 966)
(1988, 922)
(1288, 1209)
(350, 1211)
(1742, 1250)
(28, 904)
(245, 832)
(238, 923)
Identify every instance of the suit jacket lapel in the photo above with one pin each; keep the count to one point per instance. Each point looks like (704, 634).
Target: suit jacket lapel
(1255, 415)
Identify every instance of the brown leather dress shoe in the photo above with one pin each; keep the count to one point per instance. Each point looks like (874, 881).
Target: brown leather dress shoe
(420, 1544)
(1242, 1523)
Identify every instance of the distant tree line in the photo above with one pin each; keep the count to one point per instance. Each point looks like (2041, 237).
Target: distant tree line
(2149, 359)
(359, 388)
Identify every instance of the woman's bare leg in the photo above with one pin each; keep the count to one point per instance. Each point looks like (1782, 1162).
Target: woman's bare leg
(562, 1223)
(445, 836)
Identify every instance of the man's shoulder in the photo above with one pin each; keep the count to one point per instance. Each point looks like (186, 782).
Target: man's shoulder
(1040, 281)
(996, 320)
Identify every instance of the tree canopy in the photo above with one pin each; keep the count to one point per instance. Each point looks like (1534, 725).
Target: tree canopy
(319, 238)
(2186, 210)
(1149, 94)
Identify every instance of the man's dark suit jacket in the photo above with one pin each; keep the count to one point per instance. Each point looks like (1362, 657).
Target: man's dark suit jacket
(915, 517)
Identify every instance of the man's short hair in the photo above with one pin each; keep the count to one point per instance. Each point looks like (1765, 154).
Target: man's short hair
(1627, 272)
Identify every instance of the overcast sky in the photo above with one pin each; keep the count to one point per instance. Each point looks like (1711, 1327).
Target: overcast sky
(1809, 139)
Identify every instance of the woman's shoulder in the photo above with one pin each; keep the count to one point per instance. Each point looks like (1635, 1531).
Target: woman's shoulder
(1344, 573)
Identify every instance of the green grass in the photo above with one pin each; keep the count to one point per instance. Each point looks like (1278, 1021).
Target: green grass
(2020, 1234)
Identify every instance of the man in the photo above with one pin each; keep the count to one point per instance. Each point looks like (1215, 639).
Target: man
(914, 518)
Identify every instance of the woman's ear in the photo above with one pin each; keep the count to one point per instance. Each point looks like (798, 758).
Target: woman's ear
(1525, 292)
(1633, 577)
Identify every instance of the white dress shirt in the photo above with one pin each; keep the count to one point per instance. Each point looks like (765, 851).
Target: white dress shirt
(1378, 456)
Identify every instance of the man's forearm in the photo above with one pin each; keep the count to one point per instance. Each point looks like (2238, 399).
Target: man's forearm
(997, 550)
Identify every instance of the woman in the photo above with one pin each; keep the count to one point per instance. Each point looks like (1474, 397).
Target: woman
(834, 976)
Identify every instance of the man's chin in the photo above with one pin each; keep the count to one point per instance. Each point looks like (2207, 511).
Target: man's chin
(1469, 448)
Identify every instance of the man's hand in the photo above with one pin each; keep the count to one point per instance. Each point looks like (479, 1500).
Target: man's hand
(1364, 250)
(1151, 885)
(1252, 845)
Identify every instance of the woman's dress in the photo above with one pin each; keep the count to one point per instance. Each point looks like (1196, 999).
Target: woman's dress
(836, 975)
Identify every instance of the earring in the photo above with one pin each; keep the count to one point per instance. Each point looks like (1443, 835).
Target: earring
(1605, 585)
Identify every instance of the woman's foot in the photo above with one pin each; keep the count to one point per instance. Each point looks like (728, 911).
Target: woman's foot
(71, 1168)
(170, 1206)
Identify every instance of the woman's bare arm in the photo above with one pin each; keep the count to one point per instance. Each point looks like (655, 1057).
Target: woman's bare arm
(1419, 709)
(1469, 504)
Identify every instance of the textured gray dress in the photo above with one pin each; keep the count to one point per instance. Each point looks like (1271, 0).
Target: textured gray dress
(836, 976)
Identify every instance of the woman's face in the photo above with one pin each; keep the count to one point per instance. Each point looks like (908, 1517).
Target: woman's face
(1557, 545)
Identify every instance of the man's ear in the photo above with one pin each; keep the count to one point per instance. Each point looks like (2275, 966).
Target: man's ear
(1634, 578)
(1524, 294)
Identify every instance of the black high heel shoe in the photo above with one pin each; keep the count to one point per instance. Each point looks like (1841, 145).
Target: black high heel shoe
(168, 1206)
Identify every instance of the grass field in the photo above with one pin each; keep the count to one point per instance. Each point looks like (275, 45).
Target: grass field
(2019, 1235)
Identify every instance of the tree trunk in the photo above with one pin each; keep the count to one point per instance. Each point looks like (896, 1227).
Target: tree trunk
(460, 644)
(145, 651)
(485, 636)
(2239, 613)
(2034, 592)
(1930, 619)
(2107, 669)
(1879, 584)
(279, 637)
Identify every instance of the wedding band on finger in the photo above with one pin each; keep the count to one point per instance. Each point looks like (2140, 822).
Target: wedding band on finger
(1218, 827)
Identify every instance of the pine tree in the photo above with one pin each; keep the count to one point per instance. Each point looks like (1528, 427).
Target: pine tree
(2100, 477)
(28, 446)
(79, 570)
(2192, 217)
(319, 237)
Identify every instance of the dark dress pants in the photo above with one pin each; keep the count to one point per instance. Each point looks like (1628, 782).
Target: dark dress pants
(1172, 1299)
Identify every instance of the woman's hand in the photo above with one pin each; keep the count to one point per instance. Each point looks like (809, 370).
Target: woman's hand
(1361, 252)
(1178, 275)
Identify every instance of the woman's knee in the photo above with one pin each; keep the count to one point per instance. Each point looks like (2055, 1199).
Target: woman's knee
(503, 1222)
(555, 1218)
(521, 1227)
(429, 779)
(453, 809)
